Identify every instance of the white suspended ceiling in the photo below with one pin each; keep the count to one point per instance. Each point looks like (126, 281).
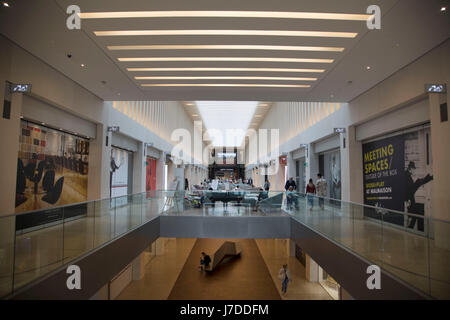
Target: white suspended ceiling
(255, 50)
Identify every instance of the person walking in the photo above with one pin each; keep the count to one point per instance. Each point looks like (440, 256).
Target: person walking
(321, 185)
(290, 183)
(290, 195)
(267, 185)
(285, 277)
(310, 192)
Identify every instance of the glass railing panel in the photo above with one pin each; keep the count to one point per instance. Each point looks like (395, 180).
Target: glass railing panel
(78, 230)
(152, 204)
(405, 254)
(39, 244)
(136, 210)
(122, 216)
(7, 238)
(439, 259)
(104, 213)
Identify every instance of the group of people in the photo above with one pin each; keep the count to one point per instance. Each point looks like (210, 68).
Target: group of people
(319, 189)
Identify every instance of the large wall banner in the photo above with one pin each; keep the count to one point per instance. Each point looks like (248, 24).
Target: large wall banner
(52, 168)
(396, 171)
(119, 172)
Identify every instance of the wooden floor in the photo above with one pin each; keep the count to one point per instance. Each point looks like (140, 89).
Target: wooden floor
(242, 278)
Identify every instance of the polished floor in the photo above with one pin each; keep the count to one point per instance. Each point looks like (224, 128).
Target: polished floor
(175, 274)
(242, 278)
(161, 272)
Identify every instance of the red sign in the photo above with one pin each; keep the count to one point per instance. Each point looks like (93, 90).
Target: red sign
(283, 160)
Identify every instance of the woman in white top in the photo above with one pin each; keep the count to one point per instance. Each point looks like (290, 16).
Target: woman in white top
(285, 276)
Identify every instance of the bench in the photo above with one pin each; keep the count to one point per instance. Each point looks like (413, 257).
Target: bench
(227, 249)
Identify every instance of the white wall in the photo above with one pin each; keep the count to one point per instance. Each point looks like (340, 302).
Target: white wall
(53, 88)
(396, 103)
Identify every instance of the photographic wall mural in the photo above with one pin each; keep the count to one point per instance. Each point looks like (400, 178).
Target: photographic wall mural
(52, 168)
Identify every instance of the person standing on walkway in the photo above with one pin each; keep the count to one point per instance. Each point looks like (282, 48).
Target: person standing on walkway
(267, 185)
(310, 192)
(284, 276)
(321, 186)
(290, 183)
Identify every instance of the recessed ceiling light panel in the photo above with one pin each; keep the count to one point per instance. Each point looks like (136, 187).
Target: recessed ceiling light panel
(227, 69)
(228, 78)
(225, 47)
(247, 59)
(275, 33)
(225, 85)
(226, 14)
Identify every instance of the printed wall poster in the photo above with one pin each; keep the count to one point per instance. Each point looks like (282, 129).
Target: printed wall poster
(397, 176)
(150, 174)
(119, 172)
(52, 168)
(330, 168)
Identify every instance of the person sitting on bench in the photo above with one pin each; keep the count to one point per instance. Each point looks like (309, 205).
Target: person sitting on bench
(204, 261)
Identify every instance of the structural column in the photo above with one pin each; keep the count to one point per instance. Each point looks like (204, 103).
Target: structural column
(311, 269)
(139, 169)
(99, 164)
(351, 167)
(440, 131)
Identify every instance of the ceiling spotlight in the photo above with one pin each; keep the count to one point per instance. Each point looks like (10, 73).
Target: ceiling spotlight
(368, 67)
(443, 9)
(82, 65)
(6, 4)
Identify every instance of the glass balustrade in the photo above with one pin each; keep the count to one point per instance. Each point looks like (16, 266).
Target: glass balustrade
(414, 248)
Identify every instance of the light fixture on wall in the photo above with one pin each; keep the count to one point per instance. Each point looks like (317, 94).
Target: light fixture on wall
(5, 4)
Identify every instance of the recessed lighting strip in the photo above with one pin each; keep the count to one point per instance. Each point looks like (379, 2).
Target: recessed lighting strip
(225, 85)
(226, 14)
(225, 47)
(253, 59)
(276, 33)
(225, 70)
(228, 78)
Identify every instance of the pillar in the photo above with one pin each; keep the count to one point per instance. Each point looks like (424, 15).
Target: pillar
(139, 169)
(159, 247)
(312, 163)
(99, 164)
(291, 248)
(9, 140)
(351, 167)
(311, 270)
(138, 267)
(440, 131)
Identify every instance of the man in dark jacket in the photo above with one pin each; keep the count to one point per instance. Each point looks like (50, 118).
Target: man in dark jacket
(204, 261)
(290, 183)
